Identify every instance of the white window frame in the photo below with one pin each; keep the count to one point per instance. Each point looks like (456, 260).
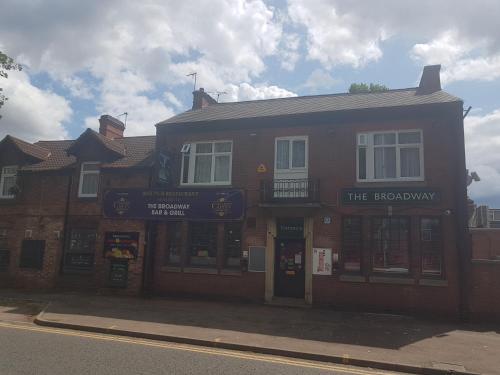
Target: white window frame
(191, 151)
(82, 173)
(3, 176)
(370, 155)
(290, 156)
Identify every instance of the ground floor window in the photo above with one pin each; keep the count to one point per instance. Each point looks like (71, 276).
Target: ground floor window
(232, 245)
(431, 245)
(174, 244)
(4, 250)
(203, 244)
(351, 243)
(391, 244)
(80, 251)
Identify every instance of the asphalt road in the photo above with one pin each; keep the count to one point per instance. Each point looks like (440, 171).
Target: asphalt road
(30, 349)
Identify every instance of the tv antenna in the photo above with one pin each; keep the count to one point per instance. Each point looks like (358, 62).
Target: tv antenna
(126, 115)
(194, 76)
(218, 93)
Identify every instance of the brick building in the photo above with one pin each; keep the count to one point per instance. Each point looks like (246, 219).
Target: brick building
(349, 200)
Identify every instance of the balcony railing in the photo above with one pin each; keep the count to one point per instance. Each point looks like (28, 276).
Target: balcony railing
(289, 190)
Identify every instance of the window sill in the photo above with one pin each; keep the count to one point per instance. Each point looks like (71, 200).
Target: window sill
(353, 278)
(433, 282)
(391, 280)
(204, 186)
(170, 269)
(209, 271)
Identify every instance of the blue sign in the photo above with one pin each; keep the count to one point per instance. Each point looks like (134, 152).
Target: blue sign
(213, 205)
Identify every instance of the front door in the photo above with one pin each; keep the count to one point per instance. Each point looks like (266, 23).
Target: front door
(289, 265)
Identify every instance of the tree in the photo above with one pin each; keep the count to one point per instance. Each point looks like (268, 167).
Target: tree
(357, 88)
(6, 64)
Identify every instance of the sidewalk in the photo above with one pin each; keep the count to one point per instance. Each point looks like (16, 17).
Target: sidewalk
(390, 342)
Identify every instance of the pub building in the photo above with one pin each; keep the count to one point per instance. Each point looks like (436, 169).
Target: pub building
(346, 200)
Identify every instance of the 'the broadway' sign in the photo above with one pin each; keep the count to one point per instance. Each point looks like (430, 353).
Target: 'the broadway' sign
(390, 196)
(224, 204)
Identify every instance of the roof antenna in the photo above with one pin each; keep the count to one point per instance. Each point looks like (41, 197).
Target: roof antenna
(218, 93)
(194, 76)
(126, 115)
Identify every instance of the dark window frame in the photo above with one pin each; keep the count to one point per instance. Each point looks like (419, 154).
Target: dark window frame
(191, 243)
(174, 236)
(4, 249)
(440, 244)
(28, 261)
(67, 247)
(343, 243)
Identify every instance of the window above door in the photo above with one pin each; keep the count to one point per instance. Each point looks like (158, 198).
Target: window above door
(291, 154)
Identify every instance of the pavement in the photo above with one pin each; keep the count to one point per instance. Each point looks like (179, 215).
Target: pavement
(386, 342)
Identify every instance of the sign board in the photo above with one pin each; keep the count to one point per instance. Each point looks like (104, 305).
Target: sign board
(322, 261)
(118, 273)
(78, 260)
(390, 196)
(121, 245)
(290, 228)
(261, 168)
(215, 205)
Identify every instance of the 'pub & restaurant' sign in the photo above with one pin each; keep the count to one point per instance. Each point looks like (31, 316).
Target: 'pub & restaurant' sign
(390, 196)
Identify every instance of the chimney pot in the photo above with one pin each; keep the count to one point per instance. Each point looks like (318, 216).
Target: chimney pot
(430, 81)
(201, 99)
(111, 127)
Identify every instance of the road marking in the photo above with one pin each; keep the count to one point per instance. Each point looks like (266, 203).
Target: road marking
(175, 346)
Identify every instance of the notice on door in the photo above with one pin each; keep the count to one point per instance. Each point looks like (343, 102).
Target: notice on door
(322, 261)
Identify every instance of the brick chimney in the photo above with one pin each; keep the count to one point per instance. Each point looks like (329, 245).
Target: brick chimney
(430, 81)
(201, 99)
(111, 127)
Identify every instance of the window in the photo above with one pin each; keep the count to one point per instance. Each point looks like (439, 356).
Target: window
(431, 245)
(389, 156)
(207, 163)
(203, 244)
(351, 243)
(232, 245)
(291, 153)
(32, 252)
(89, 180)
(4, 250)
(174, 243)
(80, 251)
(8, 181)
(391, 244)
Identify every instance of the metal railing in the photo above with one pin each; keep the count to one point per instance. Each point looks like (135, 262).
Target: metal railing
(294, 190)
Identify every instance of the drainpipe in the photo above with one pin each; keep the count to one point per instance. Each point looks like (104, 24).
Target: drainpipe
(65, 225)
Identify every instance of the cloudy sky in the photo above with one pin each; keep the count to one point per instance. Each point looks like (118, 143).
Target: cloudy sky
(86, 58)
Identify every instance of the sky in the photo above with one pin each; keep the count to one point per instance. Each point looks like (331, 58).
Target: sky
(83, 59)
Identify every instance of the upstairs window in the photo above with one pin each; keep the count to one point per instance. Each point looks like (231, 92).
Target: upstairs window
(8, 181)
(89, 180)
(291, 153)
(207, 163)
(390, 156)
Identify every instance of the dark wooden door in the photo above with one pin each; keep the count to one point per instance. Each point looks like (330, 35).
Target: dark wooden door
(289, 265)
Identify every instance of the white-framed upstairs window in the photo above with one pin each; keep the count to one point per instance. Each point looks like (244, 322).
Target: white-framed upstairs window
(390, 156)
(8, 181)
(291, 154)
(207, 163)
(89, 180)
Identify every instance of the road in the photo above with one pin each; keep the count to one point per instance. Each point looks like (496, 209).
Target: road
(29, 349)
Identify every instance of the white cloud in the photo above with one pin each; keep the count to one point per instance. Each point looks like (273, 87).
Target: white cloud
(170, 97)
(246, 91)
(31, 113)
(320, 79)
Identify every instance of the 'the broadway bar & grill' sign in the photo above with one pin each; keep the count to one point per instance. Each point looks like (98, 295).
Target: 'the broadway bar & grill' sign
(390, 196)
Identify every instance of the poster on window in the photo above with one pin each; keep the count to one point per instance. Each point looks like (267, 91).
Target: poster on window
(121, 245)
(322, 261)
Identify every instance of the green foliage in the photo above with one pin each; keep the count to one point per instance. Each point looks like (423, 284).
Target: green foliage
(357, 88)
(6, 64)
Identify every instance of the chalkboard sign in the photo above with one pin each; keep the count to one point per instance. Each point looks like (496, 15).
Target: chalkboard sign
(4, 259)
(118, 273)
(78, 261)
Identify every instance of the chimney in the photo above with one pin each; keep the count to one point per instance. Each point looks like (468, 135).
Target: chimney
(111, 127)
(201, 99)
(430, 81)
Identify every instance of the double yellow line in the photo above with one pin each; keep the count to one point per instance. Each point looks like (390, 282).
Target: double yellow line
(195, 349)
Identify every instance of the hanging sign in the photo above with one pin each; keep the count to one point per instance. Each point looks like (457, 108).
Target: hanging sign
(322, 261)
(390, 196)
(221, 204)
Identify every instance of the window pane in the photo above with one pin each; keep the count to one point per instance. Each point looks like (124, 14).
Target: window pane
(82, 241)
(174, 243)
(410, 162)
(384, 139)
(282, 155)
(391, 244)
(203, 168)
(223, 147)
(430, 237)
(185, 171)
(351, 243)
(362, 163)
(232, 245)
(385, 162)
(90, 182)
(203, 148)
(299, 154)
(8, 183)
(203, 244)
(412, 137)
(222, 166)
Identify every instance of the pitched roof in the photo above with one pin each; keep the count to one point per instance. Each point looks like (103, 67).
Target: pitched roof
(110, 144)
(137, 152)
(30, 149)
(310, 104)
